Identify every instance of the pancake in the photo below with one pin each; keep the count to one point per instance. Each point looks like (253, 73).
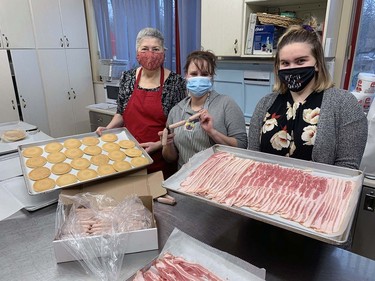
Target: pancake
(138, 161)
(100, 159)
(120, 166)
(109, 137)
(106, 169)
(92, 150)
(80, 163)
(13, 135)
(61, 168)
(110, 146)
(133, 152)
(73, 153)
(126, 143)
(32, 151)
(39, 173)
(72, 143)
(90, 141)
(86, 174)
(36, 162)
(56, 157)
(44, 184)
(66, 179)
(53, 147)
(116, 155)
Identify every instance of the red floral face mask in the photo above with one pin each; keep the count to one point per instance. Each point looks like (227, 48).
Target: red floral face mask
(150, 60)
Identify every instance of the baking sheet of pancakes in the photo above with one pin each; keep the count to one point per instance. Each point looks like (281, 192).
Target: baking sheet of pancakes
(72, 160)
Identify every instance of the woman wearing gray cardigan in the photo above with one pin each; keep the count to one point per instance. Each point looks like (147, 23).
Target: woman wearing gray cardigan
(306, 118)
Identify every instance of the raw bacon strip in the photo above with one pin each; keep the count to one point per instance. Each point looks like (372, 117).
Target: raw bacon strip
(171, 268)
(316, 202)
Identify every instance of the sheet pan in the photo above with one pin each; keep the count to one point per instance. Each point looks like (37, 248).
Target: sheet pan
(222, 264)
(122, 134)
(318, 169)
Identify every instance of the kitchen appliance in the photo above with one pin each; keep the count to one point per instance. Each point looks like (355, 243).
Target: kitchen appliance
(111, 69)
(111, 90)
(364, 233)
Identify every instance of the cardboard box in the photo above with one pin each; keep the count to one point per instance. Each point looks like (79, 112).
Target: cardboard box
(147, 187)
(263, 39)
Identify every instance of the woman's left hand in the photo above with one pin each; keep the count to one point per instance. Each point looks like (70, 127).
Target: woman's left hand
(151, 147)
(206, 121)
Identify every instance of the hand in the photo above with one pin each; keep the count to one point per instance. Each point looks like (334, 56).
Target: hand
(170, 137)
(206, 121)
(99, 130)
(150, 147)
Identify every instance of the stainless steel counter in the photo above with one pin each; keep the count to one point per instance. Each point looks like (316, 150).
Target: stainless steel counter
(27, 253)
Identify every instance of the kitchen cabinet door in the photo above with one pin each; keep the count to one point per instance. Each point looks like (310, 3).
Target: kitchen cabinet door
(30, 88)
(16, 25)
(81, 87)
(67, 93)
(221, 26)
(9, 111)
(63, 26)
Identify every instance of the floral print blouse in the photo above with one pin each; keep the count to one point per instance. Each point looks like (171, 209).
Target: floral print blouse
(289, 128)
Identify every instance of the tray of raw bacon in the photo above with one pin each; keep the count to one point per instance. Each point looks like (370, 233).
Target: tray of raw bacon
(313, 199)
(184, 258)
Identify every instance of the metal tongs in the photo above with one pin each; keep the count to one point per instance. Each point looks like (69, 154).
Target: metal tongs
(169, 129)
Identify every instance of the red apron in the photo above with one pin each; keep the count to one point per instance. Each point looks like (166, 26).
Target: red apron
(144, 118)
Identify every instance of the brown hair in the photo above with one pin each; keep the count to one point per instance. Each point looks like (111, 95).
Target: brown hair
(304, 34)
(198, 57)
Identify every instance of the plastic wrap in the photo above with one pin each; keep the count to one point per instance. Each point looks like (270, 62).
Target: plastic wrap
(90, 225)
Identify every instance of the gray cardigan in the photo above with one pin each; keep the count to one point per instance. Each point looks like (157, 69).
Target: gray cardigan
(341, 133)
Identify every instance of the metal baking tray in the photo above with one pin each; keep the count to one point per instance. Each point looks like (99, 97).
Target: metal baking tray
(122, 134)
(318, 169)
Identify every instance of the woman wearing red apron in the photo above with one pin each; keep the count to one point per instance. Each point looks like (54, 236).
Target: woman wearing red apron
(146, 96)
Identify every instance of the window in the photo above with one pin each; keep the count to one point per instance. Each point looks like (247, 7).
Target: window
(119, 21)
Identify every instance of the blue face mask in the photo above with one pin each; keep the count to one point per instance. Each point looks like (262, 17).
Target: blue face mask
(198, 86)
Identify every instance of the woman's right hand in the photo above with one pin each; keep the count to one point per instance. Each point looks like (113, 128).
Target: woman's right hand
(100, 130)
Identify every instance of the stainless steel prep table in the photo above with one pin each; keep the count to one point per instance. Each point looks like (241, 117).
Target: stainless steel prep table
(27, 254)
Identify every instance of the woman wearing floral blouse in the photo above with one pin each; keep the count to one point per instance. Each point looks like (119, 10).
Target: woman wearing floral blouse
(305, 117)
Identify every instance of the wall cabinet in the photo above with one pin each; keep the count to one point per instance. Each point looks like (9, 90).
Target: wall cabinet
(26, 100)
(225, 23)
(9, 111)
(59, 23)
(221, 26)
(68, 86)
(16, 29)
(327, 13)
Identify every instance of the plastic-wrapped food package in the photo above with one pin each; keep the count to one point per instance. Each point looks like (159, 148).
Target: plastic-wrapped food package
(90, 225)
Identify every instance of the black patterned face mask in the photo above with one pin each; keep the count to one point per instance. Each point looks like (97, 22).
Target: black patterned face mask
(296, 79)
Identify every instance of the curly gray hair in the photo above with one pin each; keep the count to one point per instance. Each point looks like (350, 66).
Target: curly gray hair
(149, 32)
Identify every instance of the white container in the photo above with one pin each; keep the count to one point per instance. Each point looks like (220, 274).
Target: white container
(365, 83)
(364, 100)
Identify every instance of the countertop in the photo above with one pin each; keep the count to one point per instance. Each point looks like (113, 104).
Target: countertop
(105, 108)
(27, 253)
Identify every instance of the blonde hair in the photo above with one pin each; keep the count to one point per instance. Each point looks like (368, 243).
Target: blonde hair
(304, 34)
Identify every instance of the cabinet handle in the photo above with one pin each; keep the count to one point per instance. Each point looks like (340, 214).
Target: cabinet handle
(13, 105)
(67, 41)
(100, 120)
(74, 94)
(235, 46)
(68, 95)
(61, 43)
(23, 102)
(7, 41)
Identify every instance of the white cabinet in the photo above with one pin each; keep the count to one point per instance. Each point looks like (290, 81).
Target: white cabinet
(221, 26)
(9, 110)
(16, 29)
(68, 88)
(327, 13)
(30, 89)
(59, 23)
